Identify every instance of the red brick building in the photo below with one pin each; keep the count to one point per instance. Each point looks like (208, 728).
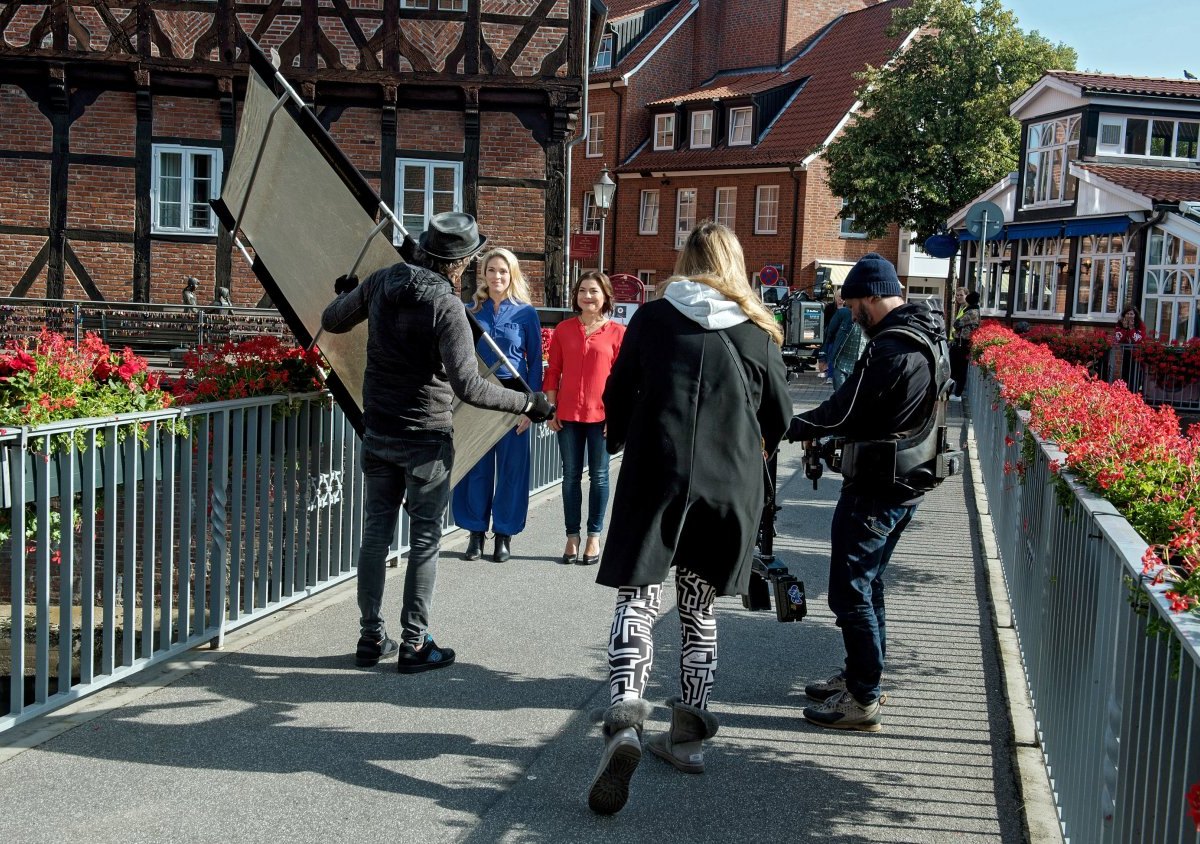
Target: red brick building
(714, 109)
(120, 117)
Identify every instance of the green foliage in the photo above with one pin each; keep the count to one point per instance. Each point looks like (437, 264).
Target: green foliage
(935, 130)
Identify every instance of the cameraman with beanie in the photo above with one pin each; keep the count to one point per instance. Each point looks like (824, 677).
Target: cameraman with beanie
(885, 407)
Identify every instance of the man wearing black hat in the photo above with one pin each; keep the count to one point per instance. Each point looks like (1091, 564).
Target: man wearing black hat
(420, 354)
(883, 409)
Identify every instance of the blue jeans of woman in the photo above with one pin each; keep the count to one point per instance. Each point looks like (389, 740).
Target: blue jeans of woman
(864, 534)
(413, 470)
(573, 440)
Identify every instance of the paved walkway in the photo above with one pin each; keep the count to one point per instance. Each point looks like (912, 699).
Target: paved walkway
(279, 738)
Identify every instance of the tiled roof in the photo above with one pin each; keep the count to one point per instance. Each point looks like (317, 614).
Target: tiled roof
(1101, 83)
(1161, 184)
(857, 39)
(652, 39)
(620, 8)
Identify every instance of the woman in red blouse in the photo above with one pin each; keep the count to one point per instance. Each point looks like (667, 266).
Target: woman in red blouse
(582, 351)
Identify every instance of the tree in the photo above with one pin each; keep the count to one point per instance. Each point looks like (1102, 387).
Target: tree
(934, 130)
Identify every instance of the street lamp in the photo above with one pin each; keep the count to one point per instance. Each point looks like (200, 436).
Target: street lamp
(602, 195)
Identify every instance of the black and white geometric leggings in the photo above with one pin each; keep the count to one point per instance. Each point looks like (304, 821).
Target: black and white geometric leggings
(631, 642)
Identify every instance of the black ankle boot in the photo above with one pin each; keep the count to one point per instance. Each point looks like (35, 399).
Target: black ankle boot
(502, 549)
(475, 546)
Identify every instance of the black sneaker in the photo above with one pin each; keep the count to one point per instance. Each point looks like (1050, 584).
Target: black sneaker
(370, 651)
(429, 657)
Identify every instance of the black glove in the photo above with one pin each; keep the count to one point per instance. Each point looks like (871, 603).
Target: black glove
(539, 408)
(345, 283)
(798, 430)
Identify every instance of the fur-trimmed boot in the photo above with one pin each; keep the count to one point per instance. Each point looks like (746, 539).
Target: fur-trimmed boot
(682, 745)
(622, 752)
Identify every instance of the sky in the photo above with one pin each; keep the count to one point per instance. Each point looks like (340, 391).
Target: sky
(1161, 38)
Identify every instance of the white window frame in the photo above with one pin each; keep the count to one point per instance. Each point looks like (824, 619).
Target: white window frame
(664, 128)
(1172, 264)
(648, 211)
(996, 288)
(452, 5)
(706, 131)
(846, 228)
(1039, 268)
(738, 137)
(589, 214)
(595, 138)
(604, 56)
(428, 165)
(1047, 180)
(766, 209)
(1099, 248)
(727, 197)
(414, 4)
(685, 215)
(1121, 122)
(187, 197)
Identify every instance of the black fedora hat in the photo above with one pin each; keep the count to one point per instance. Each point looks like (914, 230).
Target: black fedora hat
(451, 235)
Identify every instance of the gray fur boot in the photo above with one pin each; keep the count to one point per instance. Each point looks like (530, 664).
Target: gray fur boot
(682, 745)
(622, 752)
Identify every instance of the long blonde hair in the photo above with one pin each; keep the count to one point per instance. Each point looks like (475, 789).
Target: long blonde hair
(518, 288)
(713, 256)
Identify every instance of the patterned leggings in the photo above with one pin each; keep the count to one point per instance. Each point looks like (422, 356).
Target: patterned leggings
(631, 642)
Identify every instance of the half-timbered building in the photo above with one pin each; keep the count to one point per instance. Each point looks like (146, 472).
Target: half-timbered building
(119, 118)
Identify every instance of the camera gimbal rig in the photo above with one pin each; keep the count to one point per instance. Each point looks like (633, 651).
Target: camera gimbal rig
(771, 575)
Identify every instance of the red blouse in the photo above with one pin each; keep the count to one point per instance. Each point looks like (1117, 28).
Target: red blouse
(579, 367)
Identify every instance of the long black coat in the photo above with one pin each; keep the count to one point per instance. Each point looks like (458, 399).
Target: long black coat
(690, 491)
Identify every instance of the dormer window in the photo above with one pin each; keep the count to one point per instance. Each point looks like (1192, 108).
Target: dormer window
(702, 126)
(605, 56)
(1052, 146)
(1146, 136)
(664, 131)
(741, 121)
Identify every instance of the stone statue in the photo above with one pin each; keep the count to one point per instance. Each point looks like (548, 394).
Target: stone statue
(189, 291)
(221, 298)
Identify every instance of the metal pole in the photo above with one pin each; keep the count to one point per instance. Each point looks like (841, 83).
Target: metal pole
(603, 221)
(983, 238)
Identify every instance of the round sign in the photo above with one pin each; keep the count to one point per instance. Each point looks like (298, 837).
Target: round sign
(941, 246)
(769, 275)
(984, 220)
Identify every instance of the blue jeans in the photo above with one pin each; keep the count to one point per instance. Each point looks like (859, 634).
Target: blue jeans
(864, 534)
(496, 489)
(413, 470)
(572, 440)
(837, 377)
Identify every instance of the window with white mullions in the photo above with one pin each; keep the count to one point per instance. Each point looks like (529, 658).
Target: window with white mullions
(590, 219)
(1104, 275)
(664, 131)
(595, 140)
(702, 124)
(1051, 146)
(1171, 289)
(685, 215)
(994, 287)
(766, 213)
(725, 206)
(183, 181)
(425, 188)
(1149, 137)
(648, 213)
(741, 122)
(605, 56)
(1042, 275)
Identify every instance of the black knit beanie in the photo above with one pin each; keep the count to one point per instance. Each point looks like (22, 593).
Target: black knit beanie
(873, 275)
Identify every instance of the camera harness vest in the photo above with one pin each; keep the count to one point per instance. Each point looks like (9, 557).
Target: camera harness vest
(917, 452)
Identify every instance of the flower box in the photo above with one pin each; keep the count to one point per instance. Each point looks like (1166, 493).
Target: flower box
(1173, 392)
(60, 464)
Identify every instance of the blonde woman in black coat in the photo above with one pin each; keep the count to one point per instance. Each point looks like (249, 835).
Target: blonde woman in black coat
(696, 395)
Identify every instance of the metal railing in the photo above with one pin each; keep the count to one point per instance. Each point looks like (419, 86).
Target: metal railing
(1117, 705)
(148, 329)
(1122, 364)
(135, 538)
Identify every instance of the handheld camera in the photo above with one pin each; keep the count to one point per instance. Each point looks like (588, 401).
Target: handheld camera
(771, 577)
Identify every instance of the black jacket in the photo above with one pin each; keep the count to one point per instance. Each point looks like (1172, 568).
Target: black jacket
(887, 396)
(691, 489)
(420, 351)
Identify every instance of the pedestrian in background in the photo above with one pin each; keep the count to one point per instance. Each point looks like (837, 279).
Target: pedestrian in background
(844, 344)
(966, 320)
(582, 352)
(696, 396)
(419, 356)
(496, 490)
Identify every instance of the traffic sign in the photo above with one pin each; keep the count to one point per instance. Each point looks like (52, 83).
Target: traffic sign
(769, 275)
(984, 220)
